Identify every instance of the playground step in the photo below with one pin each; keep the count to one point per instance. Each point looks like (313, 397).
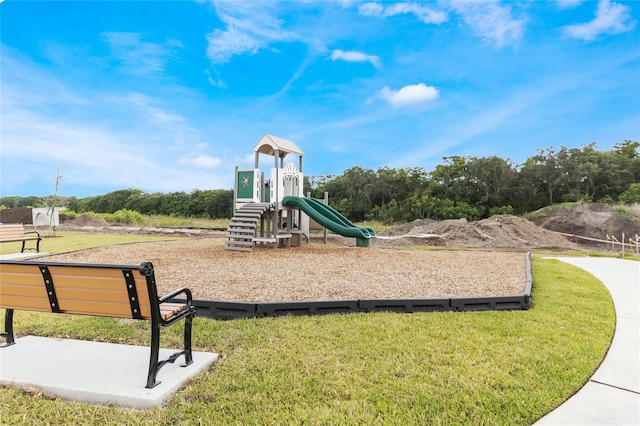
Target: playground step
(238, 237)
(236, 224)
(261, 207)
(241, 243)
(240, 232)
(265, 240)
(247, 214)
(242, 227)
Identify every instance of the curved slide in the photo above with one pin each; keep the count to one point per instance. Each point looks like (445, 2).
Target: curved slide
(330, 219)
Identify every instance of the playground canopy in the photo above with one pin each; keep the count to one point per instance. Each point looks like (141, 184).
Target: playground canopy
(269, 144)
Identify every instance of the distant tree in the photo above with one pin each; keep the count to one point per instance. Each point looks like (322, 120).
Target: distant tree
(631, 195)
(52, 202)
(12, 202)
(492, 177)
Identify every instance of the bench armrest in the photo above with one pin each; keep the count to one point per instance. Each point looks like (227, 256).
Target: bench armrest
(32, 232)
(174, 293)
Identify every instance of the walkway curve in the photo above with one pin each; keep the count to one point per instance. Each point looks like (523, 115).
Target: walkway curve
(612, 394)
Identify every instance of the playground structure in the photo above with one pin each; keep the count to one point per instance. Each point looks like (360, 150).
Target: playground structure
(274, 211)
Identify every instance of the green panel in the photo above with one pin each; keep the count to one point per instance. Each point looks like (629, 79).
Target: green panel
(267, 193)
(245, 184)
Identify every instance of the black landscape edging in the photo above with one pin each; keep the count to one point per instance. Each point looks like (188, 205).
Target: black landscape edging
(277, 309)
(222, 310)
(404, 305)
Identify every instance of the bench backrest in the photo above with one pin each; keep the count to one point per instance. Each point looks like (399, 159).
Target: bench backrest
(11, 231)
(122, 291)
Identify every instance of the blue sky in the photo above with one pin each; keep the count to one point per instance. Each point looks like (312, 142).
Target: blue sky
(170, 96)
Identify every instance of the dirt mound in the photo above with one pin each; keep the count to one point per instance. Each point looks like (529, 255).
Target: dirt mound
(500, 231)
(87, 220)
(592, 220)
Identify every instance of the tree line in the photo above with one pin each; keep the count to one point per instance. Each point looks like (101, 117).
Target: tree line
(475, 188)
(462, 187)
(214, 204)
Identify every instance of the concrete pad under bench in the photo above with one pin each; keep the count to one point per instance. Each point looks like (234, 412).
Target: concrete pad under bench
(14, 256)
(95, 372)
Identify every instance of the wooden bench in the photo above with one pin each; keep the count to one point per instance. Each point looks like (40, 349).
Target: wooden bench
(12, 232)
(118, 291)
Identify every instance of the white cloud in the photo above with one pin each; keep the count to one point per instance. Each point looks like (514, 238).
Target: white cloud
(215, 82)
(352, 56)
(408, 95)
(137, 56)
(201, 161)
(425, 13)
(569, 4)
(490, 21)
(101, 138)
(611, 18)
(250, 27)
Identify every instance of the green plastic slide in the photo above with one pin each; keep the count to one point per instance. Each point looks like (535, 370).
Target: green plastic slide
(331, 219)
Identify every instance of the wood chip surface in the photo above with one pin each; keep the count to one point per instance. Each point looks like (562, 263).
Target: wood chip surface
(317, 271)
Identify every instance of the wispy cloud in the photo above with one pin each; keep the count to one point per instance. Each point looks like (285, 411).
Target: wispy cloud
(409, 95)
(611, 18)
(352, 56)
(569, 4)
(201, 161)
(100, 137)
(138, 56)
(492, 22)
(249, 27)
(425, 13)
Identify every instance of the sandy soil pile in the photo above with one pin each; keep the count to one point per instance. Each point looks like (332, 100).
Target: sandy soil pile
(592, 220)
(500, 231)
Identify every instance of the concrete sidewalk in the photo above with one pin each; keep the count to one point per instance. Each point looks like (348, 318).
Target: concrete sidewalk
(95, 372)
(612, 395)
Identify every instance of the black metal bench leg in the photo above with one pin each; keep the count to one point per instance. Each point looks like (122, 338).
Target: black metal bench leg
(153, 359)
(188, 356)
(154, 363)
(8, 328)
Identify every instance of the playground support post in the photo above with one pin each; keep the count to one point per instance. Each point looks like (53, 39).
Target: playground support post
(325, 200)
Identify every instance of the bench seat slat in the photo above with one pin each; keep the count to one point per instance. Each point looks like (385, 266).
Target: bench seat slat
(106, 309)
(10, 289)
(26, 303)
(16, 239)
(92, 295)
(23, 273)
(167, 310)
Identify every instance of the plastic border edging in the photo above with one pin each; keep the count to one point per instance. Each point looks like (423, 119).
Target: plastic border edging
(222, 310)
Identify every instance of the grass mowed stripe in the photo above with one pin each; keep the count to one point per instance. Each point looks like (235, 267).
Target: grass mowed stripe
(381, 368)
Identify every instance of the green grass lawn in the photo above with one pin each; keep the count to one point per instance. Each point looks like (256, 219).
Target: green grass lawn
(381, 368)
(69, 241)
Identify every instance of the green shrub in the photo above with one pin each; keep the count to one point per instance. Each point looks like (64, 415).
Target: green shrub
(124, 217)
(631, 195)
(70, 214)
(501, 210)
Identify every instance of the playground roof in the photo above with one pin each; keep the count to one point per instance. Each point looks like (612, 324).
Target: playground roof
(268, 144)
